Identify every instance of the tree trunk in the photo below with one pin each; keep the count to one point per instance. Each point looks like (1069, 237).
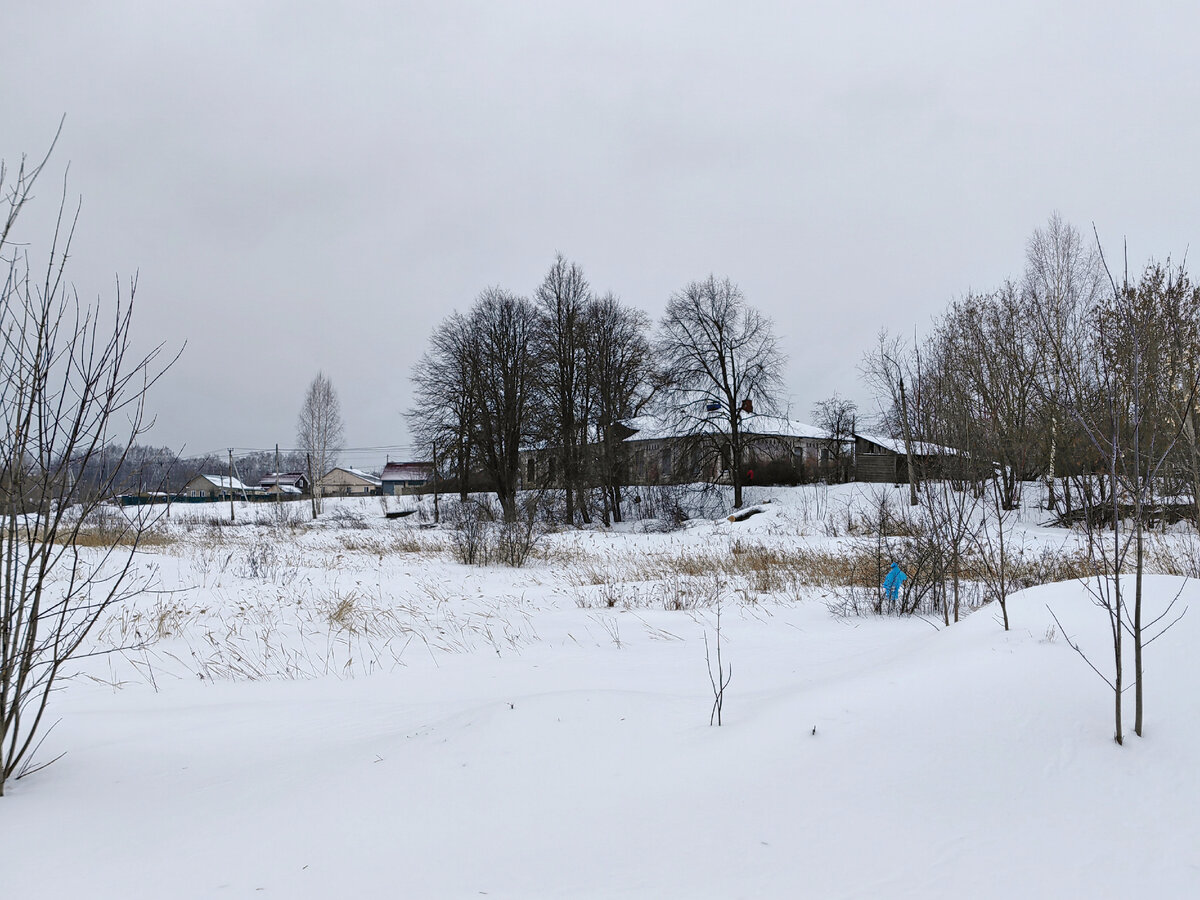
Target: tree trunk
(1137, 630)
(1050, 501)
(1115, 613)
(735, 471)
(906, 427)
(1189, 428)
(464, 478)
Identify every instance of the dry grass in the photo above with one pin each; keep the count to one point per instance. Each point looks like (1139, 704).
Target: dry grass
(116, 537)
(680, 581)
(390, 543)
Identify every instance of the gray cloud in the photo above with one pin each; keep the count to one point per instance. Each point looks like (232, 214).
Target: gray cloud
(307, 186)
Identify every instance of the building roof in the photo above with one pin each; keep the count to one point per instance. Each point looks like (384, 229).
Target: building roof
(224, 482)
(357, 473)
(407, 471)
(284, 489)
(271, 478)
(920, 448)
(652, 428)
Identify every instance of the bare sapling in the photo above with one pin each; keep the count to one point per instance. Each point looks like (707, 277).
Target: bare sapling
(993, 540)
(68, 380)
(720, 676)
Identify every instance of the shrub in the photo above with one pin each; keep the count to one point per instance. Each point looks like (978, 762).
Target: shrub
(481, 537)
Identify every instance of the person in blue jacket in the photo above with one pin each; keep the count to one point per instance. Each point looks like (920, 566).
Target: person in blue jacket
(891, 583)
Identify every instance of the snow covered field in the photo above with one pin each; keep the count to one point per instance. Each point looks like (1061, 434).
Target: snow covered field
(345, 711)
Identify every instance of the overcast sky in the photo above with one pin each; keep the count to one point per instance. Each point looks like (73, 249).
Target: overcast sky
(306, 186)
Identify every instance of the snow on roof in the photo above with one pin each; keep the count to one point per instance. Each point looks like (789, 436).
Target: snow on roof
(921, 448)
(280, 478)
(357, 473)
(652, 428)
(273, 489)
(402, 471)
(225, 482)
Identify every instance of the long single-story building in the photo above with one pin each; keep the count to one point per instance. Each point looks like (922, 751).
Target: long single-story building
(777, 448)
(658, 450)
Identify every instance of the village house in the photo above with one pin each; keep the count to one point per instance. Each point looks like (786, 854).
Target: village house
(287, 484)
(402, 477)
(341, 481)
(209, 488)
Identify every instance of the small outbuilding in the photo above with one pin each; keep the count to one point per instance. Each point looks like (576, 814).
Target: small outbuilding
(884, 460)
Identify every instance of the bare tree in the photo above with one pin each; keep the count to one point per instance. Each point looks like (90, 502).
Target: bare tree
(1063, 277)
(444, 409)
(319, 433)
(68, 384)
(619, 359)
(504, 386)
(837, 415)
(1126, 400)
(993, 540)
(562, 300)
(721, 359)
(892, 370)
(1178, 313)
(986, 360)
(1149, 391)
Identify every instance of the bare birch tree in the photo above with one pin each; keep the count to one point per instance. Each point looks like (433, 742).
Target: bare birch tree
(319, 433)
(1063, 277)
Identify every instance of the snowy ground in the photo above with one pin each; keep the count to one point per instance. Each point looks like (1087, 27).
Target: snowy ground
(345, 711)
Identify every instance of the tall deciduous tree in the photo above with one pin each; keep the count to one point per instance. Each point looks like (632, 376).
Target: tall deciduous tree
(319, 432)
(443, 415)
(985, 357)
(722, 358)
(562, 300)
(1063, 278)
(504, 383)
(619, 360)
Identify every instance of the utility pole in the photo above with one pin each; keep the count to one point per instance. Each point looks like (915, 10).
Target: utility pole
(230, 486)
(278, 491)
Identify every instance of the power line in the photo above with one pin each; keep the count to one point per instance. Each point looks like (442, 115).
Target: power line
(344, 451)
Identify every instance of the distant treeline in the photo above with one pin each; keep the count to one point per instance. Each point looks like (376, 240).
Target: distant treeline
(144, 468)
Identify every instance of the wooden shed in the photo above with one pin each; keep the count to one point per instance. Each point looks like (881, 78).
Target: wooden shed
(883, 460)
